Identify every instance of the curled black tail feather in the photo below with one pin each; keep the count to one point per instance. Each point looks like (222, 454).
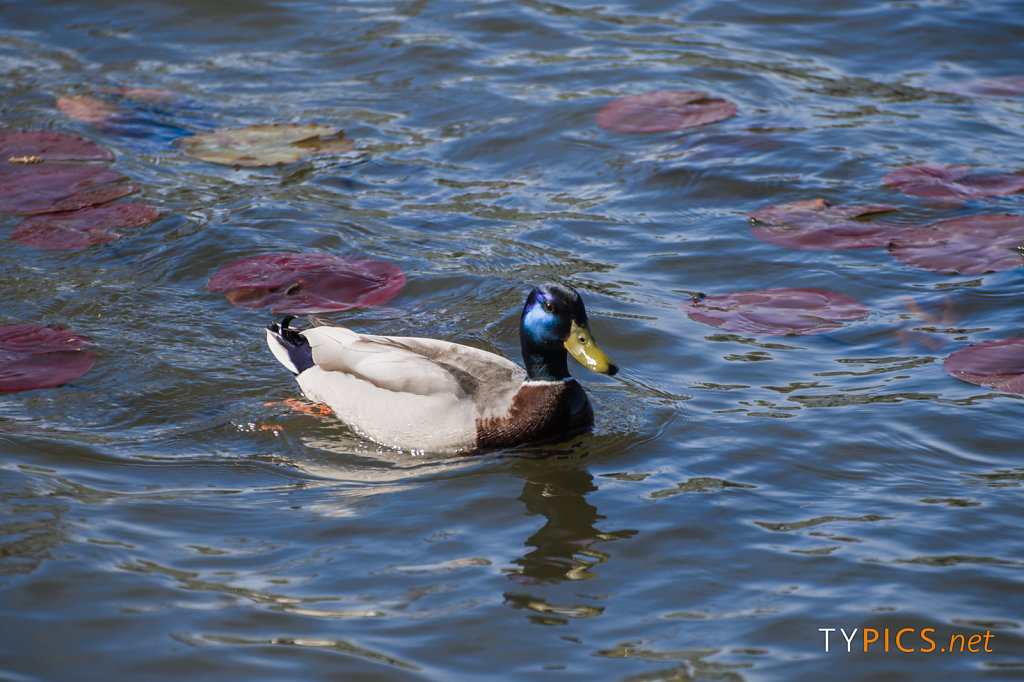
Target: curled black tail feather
(295, 344)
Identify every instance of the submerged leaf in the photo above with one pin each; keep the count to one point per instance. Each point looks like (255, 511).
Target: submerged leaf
(87, 108)
(997, 364)
(48, 187)
(41, 355)
(307, 282)
(34, 146)
(941, 181)
(82, 228)
(969, 245)
(1004, 86)
(265, 145)
(776, 311)
(817, 225)
(663, 110)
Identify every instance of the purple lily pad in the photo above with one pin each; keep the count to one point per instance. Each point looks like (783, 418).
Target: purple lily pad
(41, 355)
(1005, 86)
(817, 225)
(941, 181)
(70, 230)
(777, 312)
(997, 364)
(35, 146)
(663, 110)
(970, 245)
(47, 187)
(307, 282)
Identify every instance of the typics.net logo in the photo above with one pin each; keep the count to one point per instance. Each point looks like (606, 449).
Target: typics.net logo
(906, 640)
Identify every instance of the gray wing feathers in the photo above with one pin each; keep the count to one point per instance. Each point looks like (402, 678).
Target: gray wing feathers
(426, 367)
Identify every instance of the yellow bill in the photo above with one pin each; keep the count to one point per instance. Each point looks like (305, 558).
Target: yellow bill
(582, 347)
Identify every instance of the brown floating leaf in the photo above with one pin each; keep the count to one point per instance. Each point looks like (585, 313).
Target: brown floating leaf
(663, 110)
(776, 311)
(17, 146)
(41, 355)
(307, 282)
(941, 181)
(82, 228)
(48, 187)
(265, 145)
(970, 245)
(997, 364)
(87, 108)
(817, 225)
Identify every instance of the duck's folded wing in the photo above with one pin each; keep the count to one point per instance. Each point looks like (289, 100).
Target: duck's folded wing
(410, 365)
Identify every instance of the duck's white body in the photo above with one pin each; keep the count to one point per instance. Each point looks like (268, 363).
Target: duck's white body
(426, 394)
(409, 392)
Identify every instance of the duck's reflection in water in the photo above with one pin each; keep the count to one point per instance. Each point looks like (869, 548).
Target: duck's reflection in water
(566, 547)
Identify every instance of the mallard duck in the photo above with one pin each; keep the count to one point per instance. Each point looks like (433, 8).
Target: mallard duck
(430, 395)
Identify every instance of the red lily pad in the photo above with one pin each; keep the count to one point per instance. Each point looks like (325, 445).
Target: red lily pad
(307, 282)
(941, 181)
(776, 311)
(265, 145)
(996, 364)
(970, 245)
(35, 146)
(1005, 86)
(817, 225)
(82, 228)
(47, 187)
(663, 110)
(41, 355)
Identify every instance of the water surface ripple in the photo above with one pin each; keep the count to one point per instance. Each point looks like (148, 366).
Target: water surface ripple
(166, 516)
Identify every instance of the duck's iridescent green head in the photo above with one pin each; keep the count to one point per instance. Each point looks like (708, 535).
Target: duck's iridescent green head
(554, 321)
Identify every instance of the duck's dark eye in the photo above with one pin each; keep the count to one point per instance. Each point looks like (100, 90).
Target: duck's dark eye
(549, 306)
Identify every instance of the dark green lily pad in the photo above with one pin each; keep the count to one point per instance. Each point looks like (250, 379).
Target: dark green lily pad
(265, 145)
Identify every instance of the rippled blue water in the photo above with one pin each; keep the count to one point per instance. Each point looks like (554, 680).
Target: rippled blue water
(737, 494)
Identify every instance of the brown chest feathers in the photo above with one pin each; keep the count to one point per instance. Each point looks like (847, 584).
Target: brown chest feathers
(539, 412)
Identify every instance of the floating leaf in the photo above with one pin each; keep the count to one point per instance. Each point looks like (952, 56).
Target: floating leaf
(82, 228)
(35, 146)
(88, 108)
(776, 311)
(941, 181)
(663, 110)
(266, 145)
(1005, 86)
(817, 225)
(47, 187)
(969, 245)
(307, 282)
(41, 355)
(996, 364)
